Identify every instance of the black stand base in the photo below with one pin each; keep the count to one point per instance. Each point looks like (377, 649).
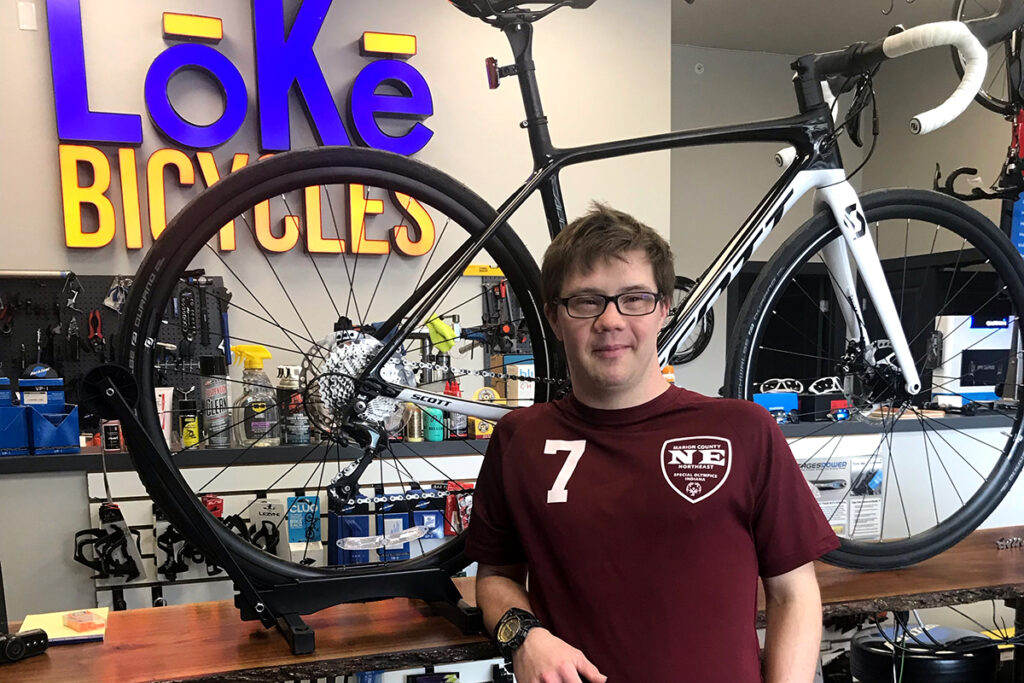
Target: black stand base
(466, 618)
(300, 637)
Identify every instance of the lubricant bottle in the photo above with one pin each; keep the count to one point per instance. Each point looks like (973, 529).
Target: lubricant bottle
(256, 411)
(456, 424)
(294, 422)
(188, 422)
(216, 413)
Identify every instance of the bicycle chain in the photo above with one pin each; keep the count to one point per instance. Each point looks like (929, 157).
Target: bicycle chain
(459, 372)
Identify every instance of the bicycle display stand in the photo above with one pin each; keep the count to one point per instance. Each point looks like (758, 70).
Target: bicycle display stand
(112, 392)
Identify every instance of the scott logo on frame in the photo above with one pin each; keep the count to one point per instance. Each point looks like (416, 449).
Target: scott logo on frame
(696, 466)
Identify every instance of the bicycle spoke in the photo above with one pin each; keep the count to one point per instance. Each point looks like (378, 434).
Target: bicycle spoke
(312, 260)
(349, 275)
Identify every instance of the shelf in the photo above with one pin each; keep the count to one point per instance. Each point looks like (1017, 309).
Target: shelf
(89, 460)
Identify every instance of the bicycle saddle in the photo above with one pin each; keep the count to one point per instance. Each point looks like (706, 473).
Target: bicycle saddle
(489, 9)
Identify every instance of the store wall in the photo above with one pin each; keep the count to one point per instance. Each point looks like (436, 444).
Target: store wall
(714, 189)
(604, 73)
(978, 138)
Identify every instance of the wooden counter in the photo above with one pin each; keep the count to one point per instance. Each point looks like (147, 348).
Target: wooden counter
(208, 641)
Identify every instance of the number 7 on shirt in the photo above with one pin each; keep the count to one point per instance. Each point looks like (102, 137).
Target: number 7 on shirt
(558, 493)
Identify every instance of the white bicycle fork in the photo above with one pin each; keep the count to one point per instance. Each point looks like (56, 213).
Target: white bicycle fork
(842, 200)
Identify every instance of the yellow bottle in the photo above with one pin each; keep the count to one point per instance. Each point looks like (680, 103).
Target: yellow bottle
(255, 413)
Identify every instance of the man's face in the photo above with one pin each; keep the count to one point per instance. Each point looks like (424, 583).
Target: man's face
(612, 352)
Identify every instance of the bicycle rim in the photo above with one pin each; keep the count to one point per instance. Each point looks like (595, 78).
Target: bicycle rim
(320, 311)
(898, 482)
(994, 94)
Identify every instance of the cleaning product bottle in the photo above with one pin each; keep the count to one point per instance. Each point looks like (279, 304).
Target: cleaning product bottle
(294, 422)
(257, 406)
(216, 416)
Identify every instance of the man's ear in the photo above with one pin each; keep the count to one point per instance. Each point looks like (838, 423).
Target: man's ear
(551, 313)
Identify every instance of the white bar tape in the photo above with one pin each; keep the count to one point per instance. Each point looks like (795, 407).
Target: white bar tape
(975, 60)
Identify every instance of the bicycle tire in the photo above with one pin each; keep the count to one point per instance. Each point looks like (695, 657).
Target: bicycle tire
(199, 221)
(697, 341)
(759, 318)
(991, 101)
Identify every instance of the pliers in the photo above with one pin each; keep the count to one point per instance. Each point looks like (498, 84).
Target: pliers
(96, 331)
(6, 320)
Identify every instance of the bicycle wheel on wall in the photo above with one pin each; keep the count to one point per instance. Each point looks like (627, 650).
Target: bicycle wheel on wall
(899, 482)
(697, 341)
(329, 244)
(994, 93)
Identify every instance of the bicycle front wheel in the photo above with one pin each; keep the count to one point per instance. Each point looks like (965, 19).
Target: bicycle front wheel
(899, 480)
(320, 251)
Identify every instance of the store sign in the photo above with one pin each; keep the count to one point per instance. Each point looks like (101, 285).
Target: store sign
(285, 64)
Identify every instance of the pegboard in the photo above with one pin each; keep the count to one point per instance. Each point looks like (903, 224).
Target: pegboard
(36, 306)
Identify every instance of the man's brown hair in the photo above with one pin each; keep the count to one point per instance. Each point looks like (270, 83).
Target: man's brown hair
(604, 233)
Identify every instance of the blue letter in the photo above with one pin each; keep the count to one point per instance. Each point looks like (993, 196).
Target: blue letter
(282, 62)
(167, 120)
(413, 103)
(75, 122)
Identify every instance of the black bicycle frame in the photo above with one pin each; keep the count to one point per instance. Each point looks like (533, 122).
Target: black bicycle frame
(809, 132)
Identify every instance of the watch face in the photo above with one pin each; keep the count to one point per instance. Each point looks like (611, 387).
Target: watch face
(508, 630)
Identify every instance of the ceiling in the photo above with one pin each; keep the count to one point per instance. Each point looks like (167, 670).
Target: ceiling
(795, 26)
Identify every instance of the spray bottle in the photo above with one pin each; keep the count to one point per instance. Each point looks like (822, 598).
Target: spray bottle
(257, 405)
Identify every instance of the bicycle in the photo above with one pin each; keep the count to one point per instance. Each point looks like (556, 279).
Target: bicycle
(360, 377)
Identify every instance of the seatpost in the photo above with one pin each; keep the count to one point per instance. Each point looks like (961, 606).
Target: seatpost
(520, 37)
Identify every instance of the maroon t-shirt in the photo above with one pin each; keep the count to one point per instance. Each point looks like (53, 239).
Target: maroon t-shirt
(645, 528)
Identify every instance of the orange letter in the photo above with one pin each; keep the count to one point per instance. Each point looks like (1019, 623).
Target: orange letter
(76, 195)
(130, 197)
(417, 215)
(210, 174)
(161, 159)
(359, 205)
(316, 243)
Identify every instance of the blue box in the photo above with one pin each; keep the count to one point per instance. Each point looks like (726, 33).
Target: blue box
(353, 522)
(47, 394)
(5, 392)
(53, 431)
(13, 430)
(782, 400)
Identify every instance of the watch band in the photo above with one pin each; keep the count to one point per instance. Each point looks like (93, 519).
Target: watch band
(511, 629)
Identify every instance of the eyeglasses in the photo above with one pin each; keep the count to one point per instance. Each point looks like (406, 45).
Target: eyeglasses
(777, 386)
(593, 305)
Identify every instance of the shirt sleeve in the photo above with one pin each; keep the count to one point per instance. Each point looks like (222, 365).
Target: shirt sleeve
(492, 537)
(789, 527)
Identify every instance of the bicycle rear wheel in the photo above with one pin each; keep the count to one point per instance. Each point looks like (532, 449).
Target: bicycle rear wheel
(899, 482)
(994, 94)
(319, 306)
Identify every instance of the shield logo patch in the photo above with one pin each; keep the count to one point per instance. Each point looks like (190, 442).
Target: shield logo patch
(696, 466)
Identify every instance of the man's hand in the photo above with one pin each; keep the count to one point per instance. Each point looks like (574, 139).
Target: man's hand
(543, 658)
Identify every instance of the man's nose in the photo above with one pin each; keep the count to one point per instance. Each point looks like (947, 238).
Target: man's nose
(610, 318)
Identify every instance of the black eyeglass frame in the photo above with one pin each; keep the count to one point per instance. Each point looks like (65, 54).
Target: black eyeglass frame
(564, 301)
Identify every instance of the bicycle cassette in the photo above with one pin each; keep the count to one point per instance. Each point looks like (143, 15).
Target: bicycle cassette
(329, 373)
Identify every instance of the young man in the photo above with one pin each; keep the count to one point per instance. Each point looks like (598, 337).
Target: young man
(643, 513)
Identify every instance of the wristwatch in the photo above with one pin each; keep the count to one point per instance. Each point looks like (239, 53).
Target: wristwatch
(512, 629)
